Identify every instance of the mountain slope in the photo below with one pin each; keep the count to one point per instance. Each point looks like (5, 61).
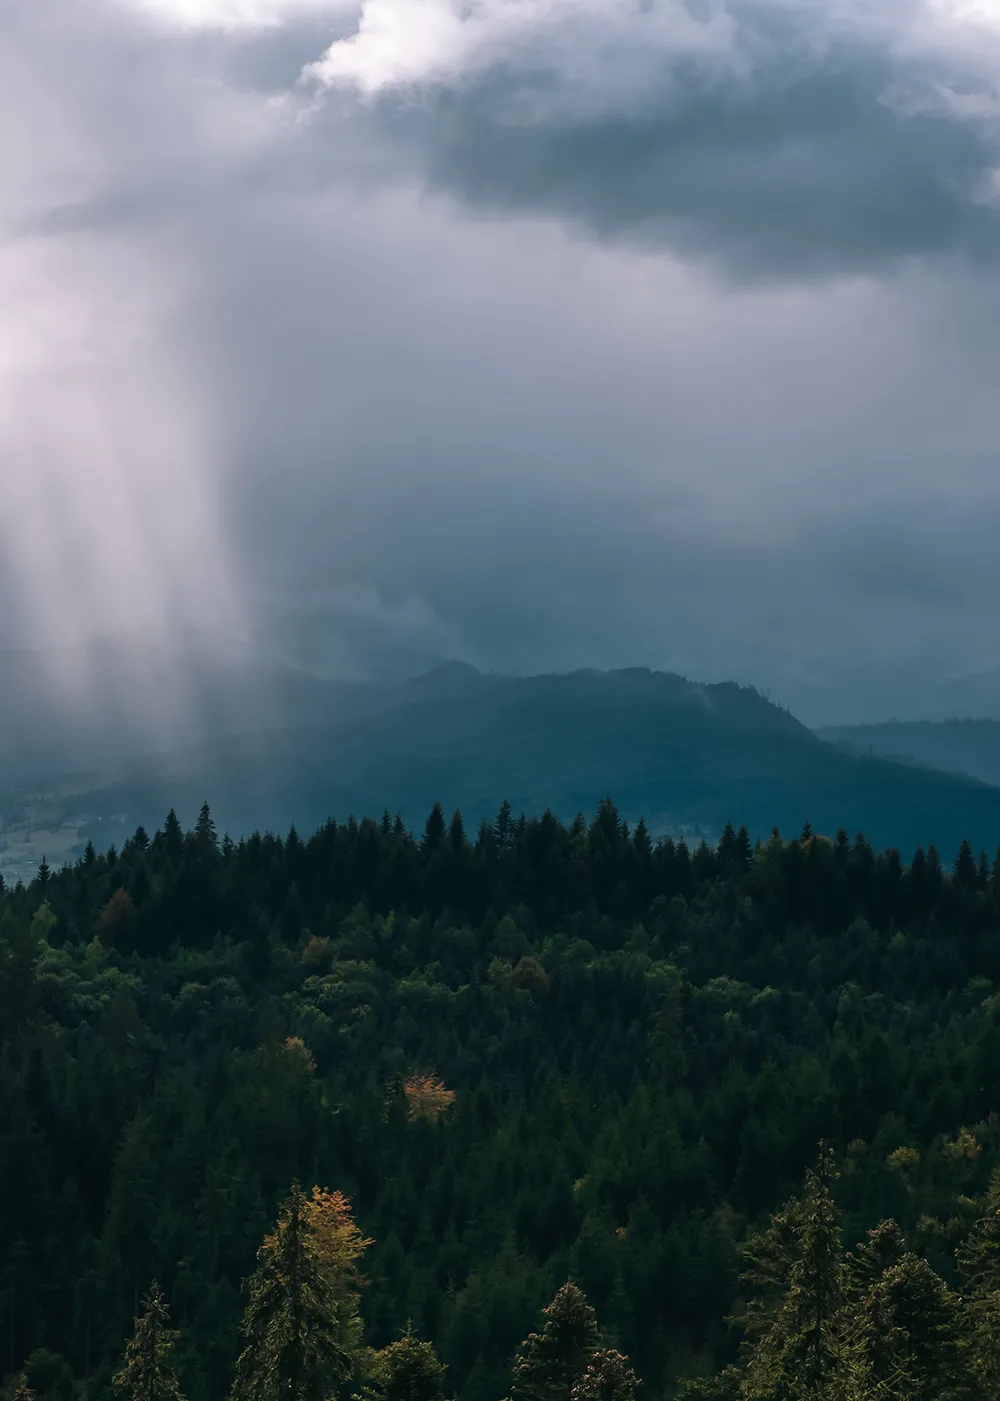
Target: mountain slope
(970, 747)
(687, 757)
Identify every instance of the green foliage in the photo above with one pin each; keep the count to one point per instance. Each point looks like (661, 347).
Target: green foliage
(410, 1370)
(798, 1349)
(620, 1053)
(608, 1378)
(552, 1363)
(292, 1341)
(147, 1372)
(909, 1336)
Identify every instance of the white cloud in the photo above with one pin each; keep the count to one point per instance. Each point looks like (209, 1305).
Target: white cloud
(597, 43)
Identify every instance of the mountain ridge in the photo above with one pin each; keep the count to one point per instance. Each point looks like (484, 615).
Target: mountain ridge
(687, 756)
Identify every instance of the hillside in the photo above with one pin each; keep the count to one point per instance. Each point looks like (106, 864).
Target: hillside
(970, 747)
(556, 1053)
(685, 756)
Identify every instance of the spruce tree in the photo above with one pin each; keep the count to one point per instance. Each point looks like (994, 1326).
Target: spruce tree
(883, 1247)
(410, 1370)
(801, 1353)
(608, 1378)
(909, 1339)
(291, 1325)
(147, 1373)
(979, 1261)
(552, 1362)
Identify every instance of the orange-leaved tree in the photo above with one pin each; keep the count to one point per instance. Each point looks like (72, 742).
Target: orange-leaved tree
(426, 1097)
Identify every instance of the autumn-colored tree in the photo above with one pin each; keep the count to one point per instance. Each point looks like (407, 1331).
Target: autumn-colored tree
(294, 1046)
(292, 1325)
(426, 1097)
(339, 1245)
(552, 1362)
(147, 1372)
(20, 1390)
(608, 1378)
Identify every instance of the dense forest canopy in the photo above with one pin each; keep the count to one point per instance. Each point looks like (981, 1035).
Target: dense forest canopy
(510, 1058)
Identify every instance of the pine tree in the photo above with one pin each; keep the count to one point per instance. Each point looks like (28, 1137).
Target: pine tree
(173, 836)
(883, 1247)
(551, 1362)
(410, 1370)
(979, 1261)
(205, 830)
(608, 1378)
(908, 1340)
(434, 829)
(503, 827)
(767, 1263)
(146, 1373)
(291, 1325)
(801, 1353)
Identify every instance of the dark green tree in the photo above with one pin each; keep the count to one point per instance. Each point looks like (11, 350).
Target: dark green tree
(410, 1370)
(909, 1339)
(979, 1262)
(883, 1247)
(552, 1362)
(147, 1372)
(801, 1353)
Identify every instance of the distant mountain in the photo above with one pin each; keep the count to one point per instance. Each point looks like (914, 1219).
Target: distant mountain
(907, 689)
(970, 747)
(685, 756)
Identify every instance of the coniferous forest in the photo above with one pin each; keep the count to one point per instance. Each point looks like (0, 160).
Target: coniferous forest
(540, 1111)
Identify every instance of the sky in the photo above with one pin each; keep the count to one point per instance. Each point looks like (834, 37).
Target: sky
(537, 333)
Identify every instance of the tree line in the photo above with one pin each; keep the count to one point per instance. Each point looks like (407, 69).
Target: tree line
(540, 1053)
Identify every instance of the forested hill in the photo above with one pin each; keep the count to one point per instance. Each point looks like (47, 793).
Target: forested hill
(682, 755)
(523, 1054)
(969, 747)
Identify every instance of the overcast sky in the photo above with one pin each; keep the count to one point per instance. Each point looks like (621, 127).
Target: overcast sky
(540, 333)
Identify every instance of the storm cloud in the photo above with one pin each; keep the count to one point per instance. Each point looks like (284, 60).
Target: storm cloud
(536, 334)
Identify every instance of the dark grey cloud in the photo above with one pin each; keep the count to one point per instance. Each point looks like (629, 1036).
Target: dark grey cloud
(813, 143)
(447, 367)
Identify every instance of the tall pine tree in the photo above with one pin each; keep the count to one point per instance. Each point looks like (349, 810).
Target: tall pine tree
(147, 1373)
(552, 1362)
(291, 1326)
